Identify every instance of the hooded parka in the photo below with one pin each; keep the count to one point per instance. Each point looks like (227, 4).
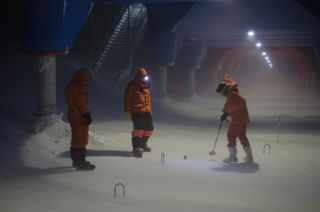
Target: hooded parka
(137, 102)
(236, 108)
(137, 98)
(76, 93)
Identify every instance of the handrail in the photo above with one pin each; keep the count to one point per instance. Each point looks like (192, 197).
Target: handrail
(135, 31)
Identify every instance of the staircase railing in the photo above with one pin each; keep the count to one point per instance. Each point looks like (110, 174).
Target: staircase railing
(131, 20)
(99, 62)
(140, 25)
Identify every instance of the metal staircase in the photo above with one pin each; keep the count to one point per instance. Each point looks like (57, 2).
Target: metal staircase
(115, 60)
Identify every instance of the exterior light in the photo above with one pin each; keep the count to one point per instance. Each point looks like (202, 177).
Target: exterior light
(258, 45)
(264, 53)
(250, 33)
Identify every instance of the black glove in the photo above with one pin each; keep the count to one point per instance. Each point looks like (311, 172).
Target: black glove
(88, 118)
(224, 116)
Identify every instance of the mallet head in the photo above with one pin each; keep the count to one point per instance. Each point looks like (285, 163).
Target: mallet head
(212, 152)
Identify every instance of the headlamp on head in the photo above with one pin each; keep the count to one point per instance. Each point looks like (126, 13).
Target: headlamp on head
(146, 78)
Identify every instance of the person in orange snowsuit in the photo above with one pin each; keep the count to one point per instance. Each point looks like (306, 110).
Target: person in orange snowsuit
(137, 103)
(236, 108)
(79, 117)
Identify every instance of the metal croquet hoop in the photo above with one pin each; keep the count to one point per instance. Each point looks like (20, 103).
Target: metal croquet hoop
(215, 142)
(269, 148)
(123, 189)
(162, 160)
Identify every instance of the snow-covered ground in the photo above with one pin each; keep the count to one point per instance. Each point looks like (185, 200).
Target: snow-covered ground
(36, 174)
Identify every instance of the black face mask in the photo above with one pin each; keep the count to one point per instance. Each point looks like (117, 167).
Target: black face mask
(222, 88)
(145, 84)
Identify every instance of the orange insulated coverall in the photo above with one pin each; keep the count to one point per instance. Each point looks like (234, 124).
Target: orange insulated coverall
(236, 108)
(76, 94)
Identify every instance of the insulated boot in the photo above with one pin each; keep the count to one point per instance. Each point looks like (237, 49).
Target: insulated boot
(146, 148)
(79, 162)
(144, 145)
(232, 155)
(85, 166)
(137, 150)
(248, 158)
(75, 156)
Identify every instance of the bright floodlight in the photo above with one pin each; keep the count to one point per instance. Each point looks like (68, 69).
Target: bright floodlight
(250, 33)
(267, 58)
(258, 45)
(264, 53)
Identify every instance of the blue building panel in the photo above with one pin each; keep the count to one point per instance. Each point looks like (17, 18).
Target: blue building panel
(163, 49)
(53, 25)
(193, 55)
(143, 1)
(162, 21)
